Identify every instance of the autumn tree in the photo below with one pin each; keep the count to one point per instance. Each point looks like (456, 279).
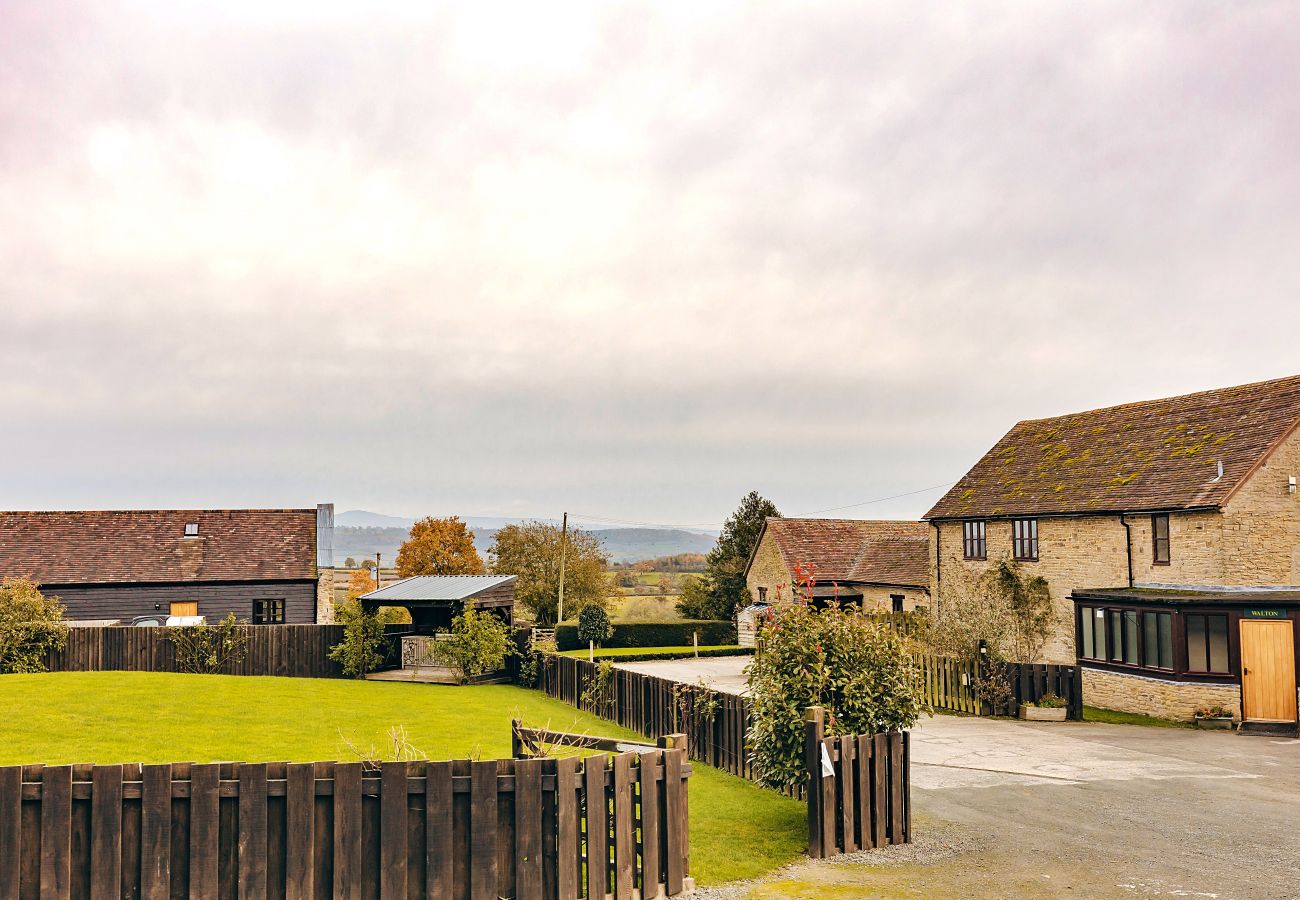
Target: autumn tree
(361, 582)
(721, 590)
(532, 552)
(439, 547)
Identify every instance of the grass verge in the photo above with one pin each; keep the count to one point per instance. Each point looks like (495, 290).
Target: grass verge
(738, 830)
(1115, 717)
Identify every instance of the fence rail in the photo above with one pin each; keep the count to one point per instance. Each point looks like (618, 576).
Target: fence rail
(553, 828)
(294, 651)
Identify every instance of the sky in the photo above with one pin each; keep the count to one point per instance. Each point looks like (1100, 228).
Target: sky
(631, 261)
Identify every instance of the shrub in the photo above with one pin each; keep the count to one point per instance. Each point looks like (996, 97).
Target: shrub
(208, 649)
(1007, 610)
(1051, 701)
(31, 625)
(593, 625)
(859, 671)
(363, 637)
(479, 642)
(652, 634)
(1213, 711)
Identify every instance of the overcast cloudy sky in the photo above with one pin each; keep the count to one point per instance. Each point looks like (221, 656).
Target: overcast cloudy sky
(624, 260)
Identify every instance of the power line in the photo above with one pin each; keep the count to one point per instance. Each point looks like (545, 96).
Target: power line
(613, 521)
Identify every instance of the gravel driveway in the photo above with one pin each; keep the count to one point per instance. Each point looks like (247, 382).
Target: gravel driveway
(1011, 809)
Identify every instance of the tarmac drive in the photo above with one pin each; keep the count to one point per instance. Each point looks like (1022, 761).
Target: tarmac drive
(1010, 809)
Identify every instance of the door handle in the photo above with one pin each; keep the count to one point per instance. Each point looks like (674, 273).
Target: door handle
(1245, 671)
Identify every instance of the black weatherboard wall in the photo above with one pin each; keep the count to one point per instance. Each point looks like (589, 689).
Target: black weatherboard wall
(216, 600)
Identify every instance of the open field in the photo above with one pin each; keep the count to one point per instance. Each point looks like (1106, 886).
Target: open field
(738, 830)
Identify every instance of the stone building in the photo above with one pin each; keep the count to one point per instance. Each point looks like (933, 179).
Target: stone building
(1179, 507)
(880, 566)
(267, 566)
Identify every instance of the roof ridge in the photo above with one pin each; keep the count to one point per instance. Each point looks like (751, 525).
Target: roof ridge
(1135, 403)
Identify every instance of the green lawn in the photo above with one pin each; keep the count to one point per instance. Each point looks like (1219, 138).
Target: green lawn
(738, 830)
(1115, 717)
(659, 652)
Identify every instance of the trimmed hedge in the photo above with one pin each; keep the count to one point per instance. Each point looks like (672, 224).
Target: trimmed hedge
(651, 653)
(653, 634)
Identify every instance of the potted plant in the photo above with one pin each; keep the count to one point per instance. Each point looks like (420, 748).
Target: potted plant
(1049, 708)
(1213, 716)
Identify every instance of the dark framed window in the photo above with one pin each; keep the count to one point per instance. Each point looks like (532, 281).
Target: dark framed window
(974, 543)
(1158, 640)
(762, 595)
(1207, 643)
(896, 602)
(1024, 539)
(268, 612)
(1092, 632)
(1160, 539)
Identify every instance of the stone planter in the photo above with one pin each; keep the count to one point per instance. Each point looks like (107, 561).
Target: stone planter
(1031, 713)
(1217, 723)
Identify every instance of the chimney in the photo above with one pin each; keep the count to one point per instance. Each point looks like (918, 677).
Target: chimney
(325, 535)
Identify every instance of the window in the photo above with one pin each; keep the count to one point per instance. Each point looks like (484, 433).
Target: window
(1160, 539)
(1207, 643)
(1157, 640)
(192, 529)
(762, 595)
(1024, 539)
(1092, 632)
(896, 602)
(974, 545)
(268, 612)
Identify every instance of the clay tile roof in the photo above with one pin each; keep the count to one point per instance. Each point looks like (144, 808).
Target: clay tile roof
(1153, 455)
(150, 546)
(871, 552)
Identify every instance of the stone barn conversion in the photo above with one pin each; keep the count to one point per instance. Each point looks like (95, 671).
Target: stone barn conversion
(880, 566)
(1169, 531)
(267, 566)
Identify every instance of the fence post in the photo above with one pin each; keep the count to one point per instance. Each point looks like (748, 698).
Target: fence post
(516, 745)
(814, 730)
(1076, 693)
(674, 742)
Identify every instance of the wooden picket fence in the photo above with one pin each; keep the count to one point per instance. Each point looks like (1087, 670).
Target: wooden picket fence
(950, 684)
(859, 794)
(714, 722)
(291, 651)
(551, 828)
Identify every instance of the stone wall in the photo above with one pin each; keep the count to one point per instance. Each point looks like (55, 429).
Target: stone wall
(1156, 696)
(877, 599)
(325, 596)
(769, 571)
(1261, 523)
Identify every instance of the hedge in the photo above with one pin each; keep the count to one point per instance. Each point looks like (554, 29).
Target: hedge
(653, 653)
(653, 634)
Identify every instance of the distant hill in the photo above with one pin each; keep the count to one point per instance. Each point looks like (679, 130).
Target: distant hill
(623, 545)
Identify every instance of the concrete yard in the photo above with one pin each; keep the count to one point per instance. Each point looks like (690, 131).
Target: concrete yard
(1009, 809)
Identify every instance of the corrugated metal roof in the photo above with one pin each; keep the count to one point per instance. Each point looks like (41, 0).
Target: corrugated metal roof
(439, 587)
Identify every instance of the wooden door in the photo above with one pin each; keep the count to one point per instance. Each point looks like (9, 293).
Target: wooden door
(185, 609)
(1268, 671)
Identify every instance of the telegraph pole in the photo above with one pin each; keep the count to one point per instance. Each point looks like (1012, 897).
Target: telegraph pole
(376, 571)
(564, 540)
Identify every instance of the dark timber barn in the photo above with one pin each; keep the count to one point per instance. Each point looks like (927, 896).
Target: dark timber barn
(264, 565)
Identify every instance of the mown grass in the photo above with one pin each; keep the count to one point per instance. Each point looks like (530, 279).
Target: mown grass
(1115, 717)
(738, 830)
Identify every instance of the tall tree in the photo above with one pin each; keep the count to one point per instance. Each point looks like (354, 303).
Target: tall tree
(532, 552)
(439, 547)
(722, 589)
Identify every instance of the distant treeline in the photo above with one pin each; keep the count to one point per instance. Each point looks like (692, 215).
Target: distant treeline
(678, 562)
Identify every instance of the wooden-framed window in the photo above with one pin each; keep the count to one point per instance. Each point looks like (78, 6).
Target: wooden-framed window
(268, 612)
(896, 602)
(1024, 539)
(974, 541)
(1207, 643)
(762, 595)
(1092, 632)
(1160, 539)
